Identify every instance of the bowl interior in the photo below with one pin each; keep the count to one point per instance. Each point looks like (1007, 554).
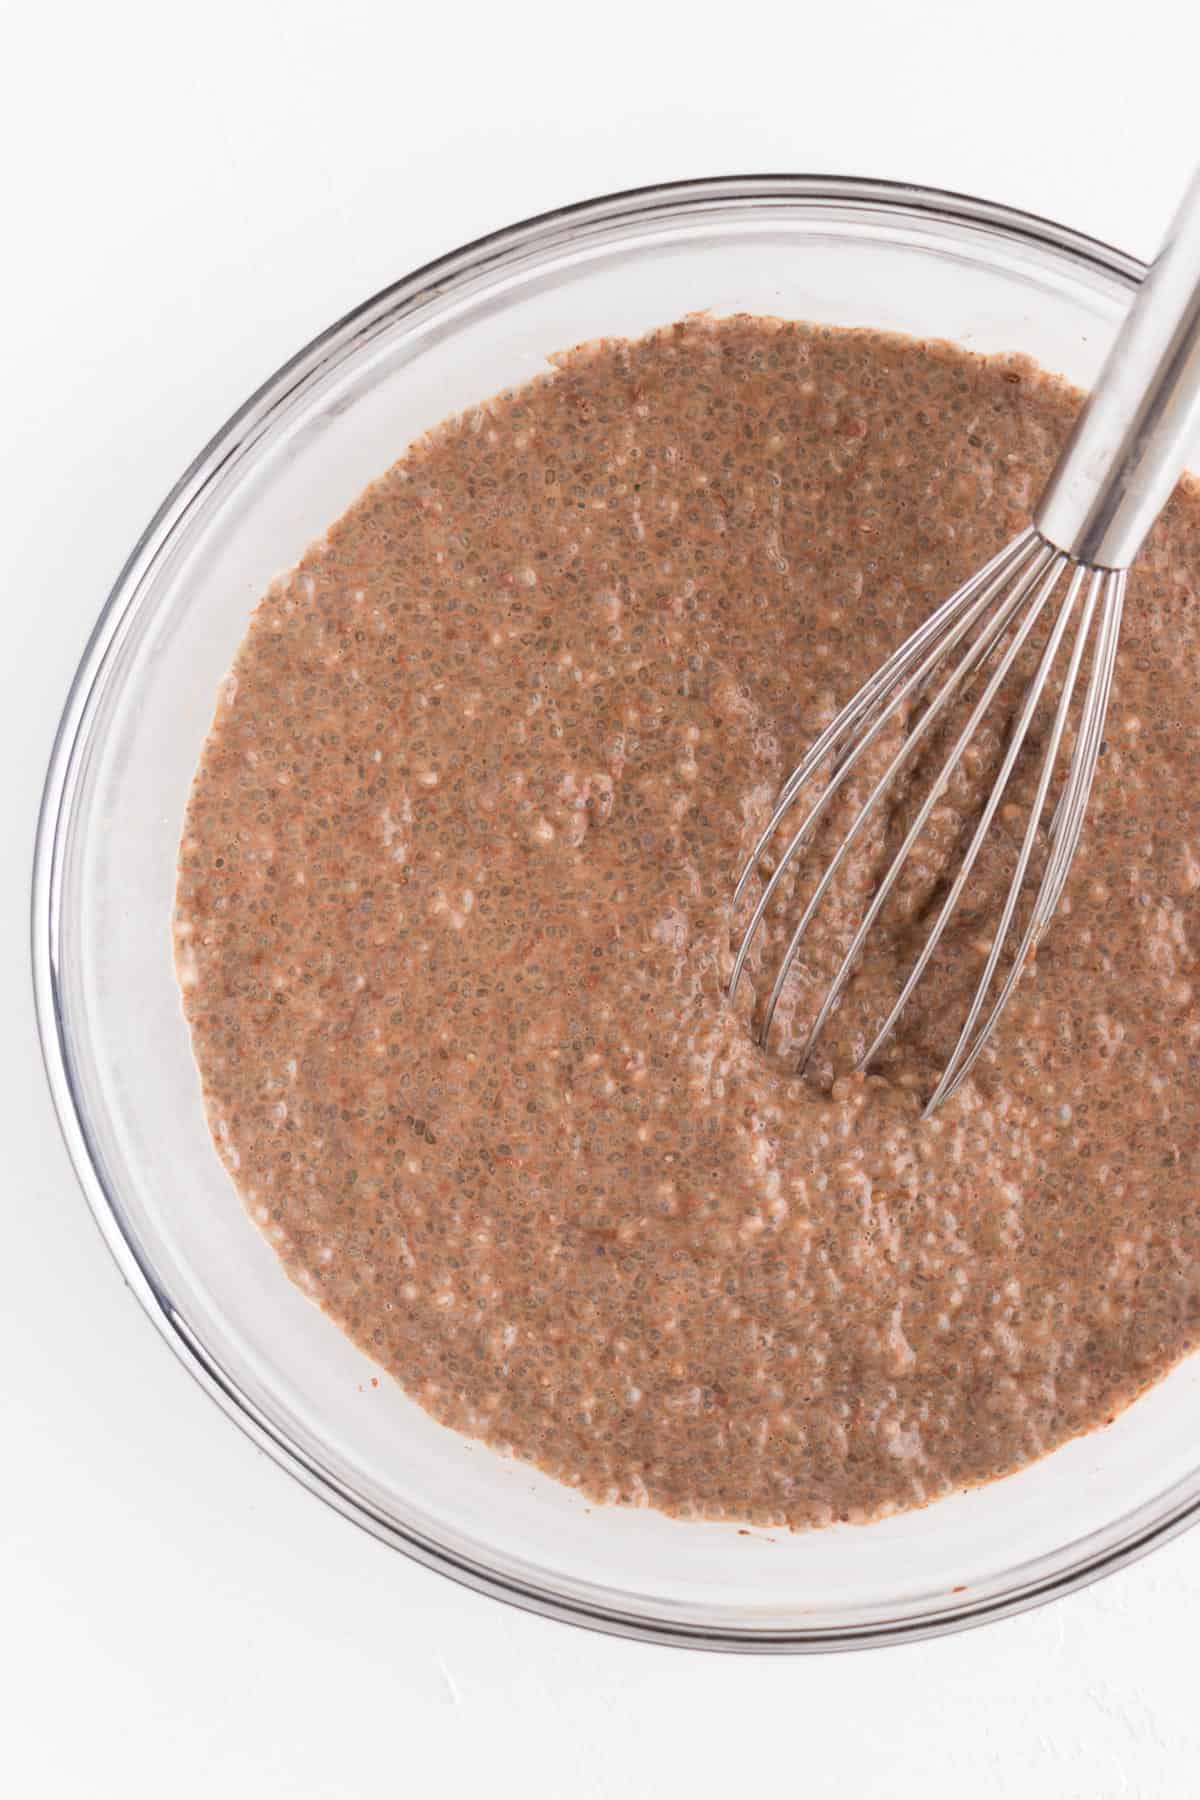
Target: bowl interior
(117, 1046)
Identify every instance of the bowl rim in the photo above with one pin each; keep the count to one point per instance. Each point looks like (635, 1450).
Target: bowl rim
(626, 207)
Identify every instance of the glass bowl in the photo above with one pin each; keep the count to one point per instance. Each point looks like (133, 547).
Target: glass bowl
(117, 1052)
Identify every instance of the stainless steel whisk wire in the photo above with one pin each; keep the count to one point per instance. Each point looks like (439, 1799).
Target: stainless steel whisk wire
(1115, 474)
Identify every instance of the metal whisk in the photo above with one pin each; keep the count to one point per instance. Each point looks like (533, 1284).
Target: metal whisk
(1123, 458)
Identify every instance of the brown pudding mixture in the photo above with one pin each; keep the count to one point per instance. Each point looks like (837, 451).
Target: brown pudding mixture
(453, 930)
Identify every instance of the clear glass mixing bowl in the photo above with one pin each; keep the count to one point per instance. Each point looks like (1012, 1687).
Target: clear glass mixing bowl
(117, 1053)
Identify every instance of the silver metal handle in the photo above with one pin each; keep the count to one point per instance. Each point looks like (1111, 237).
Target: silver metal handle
(1133, 438)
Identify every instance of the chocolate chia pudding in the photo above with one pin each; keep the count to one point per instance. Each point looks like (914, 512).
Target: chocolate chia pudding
(453, 932)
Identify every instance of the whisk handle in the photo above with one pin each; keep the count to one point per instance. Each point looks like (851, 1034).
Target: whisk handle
(1133, 438)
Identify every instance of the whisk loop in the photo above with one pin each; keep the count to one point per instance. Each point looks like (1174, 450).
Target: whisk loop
(988, 622)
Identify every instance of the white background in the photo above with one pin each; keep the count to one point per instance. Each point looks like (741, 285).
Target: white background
(189, 194)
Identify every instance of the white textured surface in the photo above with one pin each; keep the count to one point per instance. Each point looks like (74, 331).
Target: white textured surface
(190, 194)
